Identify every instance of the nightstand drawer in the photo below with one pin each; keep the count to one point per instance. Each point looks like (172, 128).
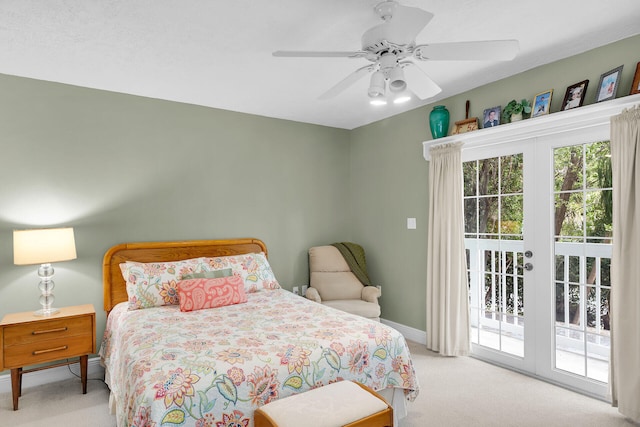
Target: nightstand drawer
(47, 350)
(54, 329)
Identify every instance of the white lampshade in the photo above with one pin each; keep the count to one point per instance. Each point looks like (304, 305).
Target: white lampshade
(397, 82)
(377, 84)
(43, 246)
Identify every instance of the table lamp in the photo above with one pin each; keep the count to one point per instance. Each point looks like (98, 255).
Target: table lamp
(44, 246)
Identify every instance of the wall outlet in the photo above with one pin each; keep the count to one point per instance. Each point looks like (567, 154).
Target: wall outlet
(296, 290)
(304, 289)
(379, 289)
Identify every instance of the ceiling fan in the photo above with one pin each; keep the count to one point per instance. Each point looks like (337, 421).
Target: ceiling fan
(391, 49)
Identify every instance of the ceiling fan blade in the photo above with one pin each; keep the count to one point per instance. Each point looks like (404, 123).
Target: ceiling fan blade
(402, 28)
(407, 22)
(318, 54)
(490, 50)
(419, 82)
(346, 82)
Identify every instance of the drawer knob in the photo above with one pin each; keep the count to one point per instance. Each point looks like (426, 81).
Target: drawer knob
(47, 331)
(49, 350)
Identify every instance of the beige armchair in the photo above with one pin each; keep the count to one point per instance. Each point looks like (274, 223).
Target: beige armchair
(333, 283)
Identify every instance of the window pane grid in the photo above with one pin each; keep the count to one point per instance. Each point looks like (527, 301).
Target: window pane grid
(493, 237)
(582, 259)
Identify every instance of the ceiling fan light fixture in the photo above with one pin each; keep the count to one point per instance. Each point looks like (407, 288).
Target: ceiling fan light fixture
(378, 101)
(390, 47)
(397, 82)
(377, 85)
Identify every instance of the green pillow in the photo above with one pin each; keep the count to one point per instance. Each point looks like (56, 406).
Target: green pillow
(213, 274)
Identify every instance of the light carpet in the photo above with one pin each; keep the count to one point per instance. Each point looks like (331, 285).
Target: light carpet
(458, 391)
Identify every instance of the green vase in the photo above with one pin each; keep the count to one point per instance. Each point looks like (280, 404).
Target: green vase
(439, 121)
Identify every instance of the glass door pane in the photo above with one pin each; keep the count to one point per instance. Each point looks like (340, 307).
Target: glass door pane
(493, 200)
(582, 246)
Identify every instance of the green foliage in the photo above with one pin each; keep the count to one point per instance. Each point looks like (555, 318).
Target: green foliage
(587, 212)
(515, 107)
(493, 191)
(490, 184)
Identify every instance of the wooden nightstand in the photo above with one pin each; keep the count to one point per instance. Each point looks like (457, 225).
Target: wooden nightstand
(27, 339)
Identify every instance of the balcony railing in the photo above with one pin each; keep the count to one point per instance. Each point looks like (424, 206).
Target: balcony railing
(581, 296)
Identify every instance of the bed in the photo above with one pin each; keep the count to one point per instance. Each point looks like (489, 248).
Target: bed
(215, 366)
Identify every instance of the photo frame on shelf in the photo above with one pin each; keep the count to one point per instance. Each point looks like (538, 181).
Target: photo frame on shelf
(635, 86)
(608, 85)
(542, 103)
(574, 97)
(491, 117)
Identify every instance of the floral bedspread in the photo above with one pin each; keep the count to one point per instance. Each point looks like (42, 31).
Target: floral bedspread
(215, 367)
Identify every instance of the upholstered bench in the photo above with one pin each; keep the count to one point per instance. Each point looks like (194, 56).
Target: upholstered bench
(344, 403)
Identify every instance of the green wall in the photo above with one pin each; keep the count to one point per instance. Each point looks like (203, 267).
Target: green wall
(389, 175)
(124, 168)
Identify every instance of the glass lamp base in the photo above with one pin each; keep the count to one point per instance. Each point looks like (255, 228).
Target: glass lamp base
(46, 285)
(46, 312)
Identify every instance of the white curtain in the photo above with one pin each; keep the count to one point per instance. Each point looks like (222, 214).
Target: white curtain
(447, 289)
(625, 264)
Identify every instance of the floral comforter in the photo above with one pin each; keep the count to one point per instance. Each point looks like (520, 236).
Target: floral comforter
(215, 367)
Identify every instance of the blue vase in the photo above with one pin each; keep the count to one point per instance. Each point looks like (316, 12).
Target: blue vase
(439, 121)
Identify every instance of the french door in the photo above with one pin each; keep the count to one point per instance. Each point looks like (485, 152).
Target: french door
(538, 243)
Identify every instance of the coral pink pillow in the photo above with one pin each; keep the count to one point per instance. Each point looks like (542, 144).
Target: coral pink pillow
(197, 294)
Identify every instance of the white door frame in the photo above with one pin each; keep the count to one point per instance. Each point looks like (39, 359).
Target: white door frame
(545, 321)
(526, 363)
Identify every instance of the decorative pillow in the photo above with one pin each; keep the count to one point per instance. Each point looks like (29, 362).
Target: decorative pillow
(154, 284)
(201, 293)
(213, 274)
(253, 268)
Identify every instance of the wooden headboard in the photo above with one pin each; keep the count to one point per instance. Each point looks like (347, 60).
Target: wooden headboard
(114, 285)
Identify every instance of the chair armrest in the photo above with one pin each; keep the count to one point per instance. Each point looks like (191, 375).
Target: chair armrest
(370, 294)
(312, 294)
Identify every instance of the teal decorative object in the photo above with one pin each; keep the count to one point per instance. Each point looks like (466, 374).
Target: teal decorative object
(439, 121)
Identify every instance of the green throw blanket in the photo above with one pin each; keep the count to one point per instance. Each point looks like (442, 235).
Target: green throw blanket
(354, 255)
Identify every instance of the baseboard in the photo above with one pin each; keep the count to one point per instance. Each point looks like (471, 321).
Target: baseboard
(408, 332)
(94, 370)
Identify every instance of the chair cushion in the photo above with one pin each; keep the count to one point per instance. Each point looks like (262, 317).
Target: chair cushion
(327, 258)
(333, 405)
(336, 285)
(356, 306)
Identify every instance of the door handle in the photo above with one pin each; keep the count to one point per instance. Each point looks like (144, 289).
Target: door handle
(528, 266)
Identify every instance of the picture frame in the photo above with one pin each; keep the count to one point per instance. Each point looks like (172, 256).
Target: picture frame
(608, 85)
(542, 103)
(574, 97)
(635, 86)
(491, 117)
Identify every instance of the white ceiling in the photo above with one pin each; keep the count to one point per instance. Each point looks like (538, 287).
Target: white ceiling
(218, 53)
